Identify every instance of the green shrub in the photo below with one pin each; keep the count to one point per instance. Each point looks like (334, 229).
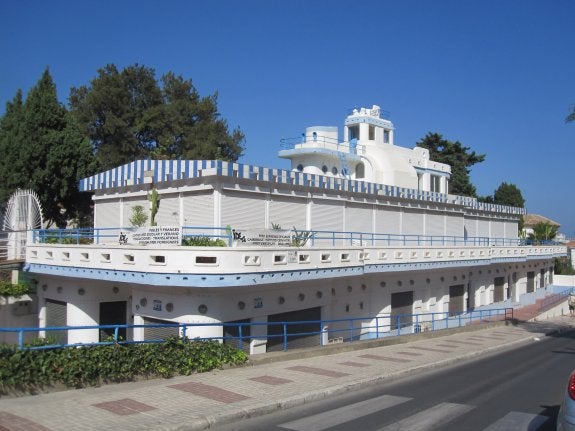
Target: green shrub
(203, 241)
(76, 367)
(9, 289)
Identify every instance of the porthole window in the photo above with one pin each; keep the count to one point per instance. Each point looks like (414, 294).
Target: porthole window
(334, 170)
(324, 169)
(300, 167)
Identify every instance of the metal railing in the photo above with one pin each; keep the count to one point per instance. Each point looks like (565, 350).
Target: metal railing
(314, 237)
(280, 334)
(112, 234)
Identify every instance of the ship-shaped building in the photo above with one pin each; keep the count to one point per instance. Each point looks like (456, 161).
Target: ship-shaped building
(358, 228)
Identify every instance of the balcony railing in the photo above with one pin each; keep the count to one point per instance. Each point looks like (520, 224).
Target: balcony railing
(314, 237)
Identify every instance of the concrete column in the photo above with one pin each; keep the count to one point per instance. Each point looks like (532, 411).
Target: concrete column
(258, 342)
(363, 131)
(83, 314)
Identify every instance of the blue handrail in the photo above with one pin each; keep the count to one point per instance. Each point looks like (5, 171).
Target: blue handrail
(334, 238)
(349, 330)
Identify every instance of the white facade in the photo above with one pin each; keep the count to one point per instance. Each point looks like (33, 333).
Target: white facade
(379, 239)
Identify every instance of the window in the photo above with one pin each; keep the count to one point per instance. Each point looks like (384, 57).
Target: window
(371, 132)
(386, 136)
(334, 170)
(435, 183)
(360, 171)
(300, 167)
(324, 169)
(353, 132)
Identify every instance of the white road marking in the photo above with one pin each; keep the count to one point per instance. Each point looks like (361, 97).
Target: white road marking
(432, 418)
(341, 415)
(517, 421)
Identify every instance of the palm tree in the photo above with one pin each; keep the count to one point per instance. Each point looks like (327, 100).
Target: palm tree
(543, 231)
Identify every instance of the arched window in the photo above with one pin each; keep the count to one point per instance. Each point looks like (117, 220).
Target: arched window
(360, 171)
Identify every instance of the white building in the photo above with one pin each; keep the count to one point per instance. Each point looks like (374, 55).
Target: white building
(387, 239)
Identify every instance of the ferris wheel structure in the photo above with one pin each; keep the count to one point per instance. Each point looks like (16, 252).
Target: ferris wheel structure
(22, 214)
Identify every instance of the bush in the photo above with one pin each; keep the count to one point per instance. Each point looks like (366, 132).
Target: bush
(9, 289)
(76, 367)
(203, 241)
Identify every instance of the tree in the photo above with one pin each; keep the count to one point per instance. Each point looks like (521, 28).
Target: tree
(45, 152)
(455, 155)
(509, 194)
(139, 217)
(571, 116)
(12, 138)
(127, 114)
(543, 231)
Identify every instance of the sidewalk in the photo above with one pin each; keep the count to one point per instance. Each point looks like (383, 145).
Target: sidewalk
(268, 383)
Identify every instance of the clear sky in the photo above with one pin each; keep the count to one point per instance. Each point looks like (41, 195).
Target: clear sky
(497, 75)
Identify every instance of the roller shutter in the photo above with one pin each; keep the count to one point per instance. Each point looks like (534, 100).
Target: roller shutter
(511, 230)
(107, 214)
(232, 334)
(470, 224)
(305, 333)
(401, 310)
(288, 212)
(387, 221)
(434, 224)
(243, 210)
(483, 228)
(169, 210)
(159, 333)
(199, 210)
(327, 216)
(497, 229)
(454, 226)
(358, 218)
(56, 315)
(412, 223)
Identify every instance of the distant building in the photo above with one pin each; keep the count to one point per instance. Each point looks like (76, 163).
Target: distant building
(358, 227)
(531, 220)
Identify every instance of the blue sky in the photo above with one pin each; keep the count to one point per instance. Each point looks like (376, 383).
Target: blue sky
(497, 75)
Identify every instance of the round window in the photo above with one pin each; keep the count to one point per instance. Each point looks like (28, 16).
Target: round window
(300, 167)
(324, 169)
(334, 170)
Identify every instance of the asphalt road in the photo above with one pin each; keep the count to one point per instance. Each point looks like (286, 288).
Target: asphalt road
(518, 389)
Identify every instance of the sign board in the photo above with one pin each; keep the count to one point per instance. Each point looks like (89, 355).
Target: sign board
(262, 238)
(154, 235)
